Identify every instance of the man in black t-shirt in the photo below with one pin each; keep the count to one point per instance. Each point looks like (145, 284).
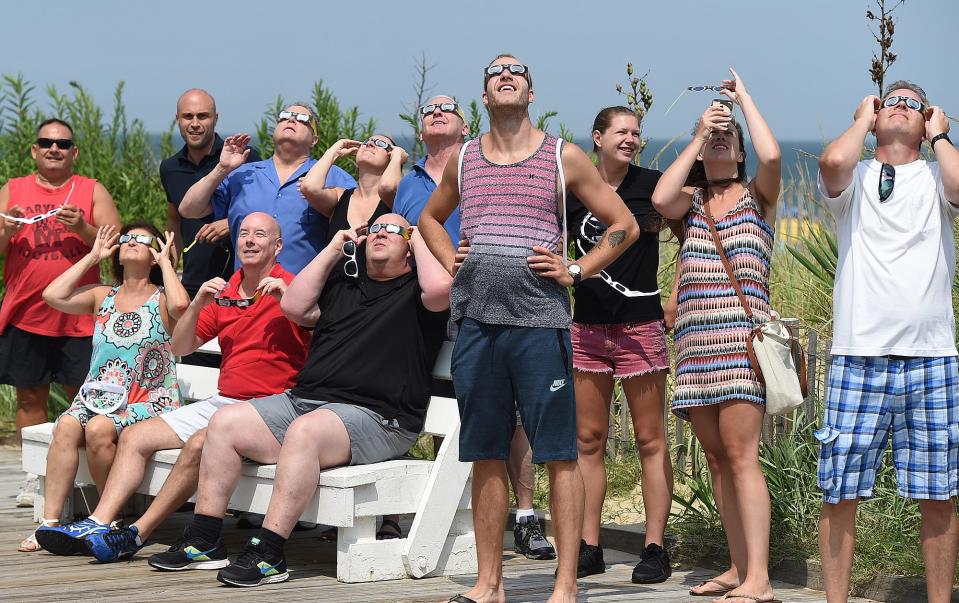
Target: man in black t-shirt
(212, 255)
(360, 398)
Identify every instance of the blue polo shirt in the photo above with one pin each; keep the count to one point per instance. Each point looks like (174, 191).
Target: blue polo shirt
(256, 187)
(412, 194)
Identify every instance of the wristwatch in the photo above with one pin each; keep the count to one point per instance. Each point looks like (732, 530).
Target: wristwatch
(575, 271)
(937, 137)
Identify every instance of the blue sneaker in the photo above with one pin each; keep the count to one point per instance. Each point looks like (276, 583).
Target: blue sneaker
(114, 545)
(254, 566)
(68, 539)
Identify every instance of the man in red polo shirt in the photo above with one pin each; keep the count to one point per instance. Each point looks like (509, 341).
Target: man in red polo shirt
(262, 353)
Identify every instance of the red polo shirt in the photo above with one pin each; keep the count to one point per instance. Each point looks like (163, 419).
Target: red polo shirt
(262, 350)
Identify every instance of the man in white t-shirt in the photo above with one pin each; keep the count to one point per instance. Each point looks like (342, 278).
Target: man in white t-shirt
(894, 365)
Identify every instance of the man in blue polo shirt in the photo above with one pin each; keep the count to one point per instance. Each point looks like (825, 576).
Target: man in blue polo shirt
(234, 190)
(443, 130)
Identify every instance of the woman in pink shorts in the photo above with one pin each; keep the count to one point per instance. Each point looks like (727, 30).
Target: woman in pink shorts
(618, 332)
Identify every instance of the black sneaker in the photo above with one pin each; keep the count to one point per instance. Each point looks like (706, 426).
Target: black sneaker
(529, 540)
(653, 566)
(190, 554)
(590, 560)
(254, 567)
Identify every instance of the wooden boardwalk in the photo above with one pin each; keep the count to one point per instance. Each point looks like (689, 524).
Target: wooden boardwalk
(41, 577)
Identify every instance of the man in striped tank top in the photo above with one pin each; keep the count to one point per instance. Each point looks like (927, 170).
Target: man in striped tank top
(510, 297)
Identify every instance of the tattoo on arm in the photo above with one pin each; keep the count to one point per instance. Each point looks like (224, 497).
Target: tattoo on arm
(616, 238)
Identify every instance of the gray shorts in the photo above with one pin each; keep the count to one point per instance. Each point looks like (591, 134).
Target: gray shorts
(372, 438)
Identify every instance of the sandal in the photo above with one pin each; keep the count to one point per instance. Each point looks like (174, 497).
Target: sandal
(389, 530)
(461, 599)
(750, 598)
(723, 589)
(30, 544)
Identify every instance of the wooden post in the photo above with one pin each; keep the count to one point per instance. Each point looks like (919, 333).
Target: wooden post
(812, 362)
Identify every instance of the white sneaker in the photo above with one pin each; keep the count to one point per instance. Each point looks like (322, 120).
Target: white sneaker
(28, 490)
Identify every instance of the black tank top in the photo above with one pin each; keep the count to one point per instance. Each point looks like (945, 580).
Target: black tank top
(339, 221)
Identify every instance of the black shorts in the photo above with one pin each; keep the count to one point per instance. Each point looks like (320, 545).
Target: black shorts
(29, 360)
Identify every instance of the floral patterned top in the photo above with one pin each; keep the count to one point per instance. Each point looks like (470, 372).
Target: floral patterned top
(132, 350)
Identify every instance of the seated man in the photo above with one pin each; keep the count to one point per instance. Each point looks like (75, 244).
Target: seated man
(360, 398)
(262, 352)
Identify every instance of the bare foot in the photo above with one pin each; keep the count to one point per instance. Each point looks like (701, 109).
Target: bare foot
(719, 585)
(484, 595)
(562, 597)
(762, 591)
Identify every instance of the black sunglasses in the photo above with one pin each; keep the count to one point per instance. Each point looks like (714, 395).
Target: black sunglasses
(350, 267)
(887, 180)
(64, 144)
(912, 103)
(514, 69)
(239, 303)
(444, 107)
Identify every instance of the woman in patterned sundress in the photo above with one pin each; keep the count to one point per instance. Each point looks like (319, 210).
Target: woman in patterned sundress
(131, 366)
(716, 388)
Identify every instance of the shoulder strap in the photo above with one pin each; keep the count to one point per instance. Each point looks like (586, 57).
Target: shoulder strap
(562, 195)
(459, 165)
(725, 260)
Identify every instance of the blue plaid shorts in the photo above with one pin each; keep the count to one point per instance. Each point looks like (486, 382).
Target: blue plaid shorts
(914, 397)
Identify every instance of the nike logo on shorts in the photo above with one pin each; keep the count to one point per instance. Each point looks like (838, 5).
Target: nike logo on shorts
(557, 385)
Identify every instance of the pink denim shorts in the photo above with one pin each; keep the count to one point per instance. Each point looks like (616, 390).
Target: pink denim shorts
(624, 349)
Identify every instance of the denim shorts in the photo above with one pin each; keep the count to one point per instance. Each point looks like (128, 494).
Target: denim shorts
(623, 350)
(867, 397)
(498, 370)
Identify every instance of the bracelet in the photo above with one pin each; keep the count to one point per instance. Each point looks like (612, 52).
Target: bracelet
(938, 137)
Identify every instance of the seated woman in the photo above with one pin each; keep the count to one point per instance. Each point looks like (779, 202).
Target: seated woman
(132, 375)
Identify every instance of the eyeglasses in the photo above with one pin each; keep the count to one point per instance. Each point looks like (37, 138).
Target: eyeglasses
(379, 142)
(64, 144)
(390, 228)
(887, 180)
(139, 238)
(444, 107)
(350, 267)
(703, 88)
(514, 69)
(43, 216)
(226, 302)
(912, 103)
(305, 118)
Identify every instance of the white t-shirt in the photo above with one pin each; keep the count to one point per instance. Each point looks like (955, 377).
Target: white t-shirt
(897, 259)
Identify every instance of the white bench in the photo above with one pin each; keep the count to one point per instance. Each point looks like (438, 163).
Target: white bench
(440, 541)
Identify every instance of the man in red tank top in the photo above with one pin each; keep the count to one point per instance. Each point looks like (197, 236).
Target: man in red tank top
(49, 219)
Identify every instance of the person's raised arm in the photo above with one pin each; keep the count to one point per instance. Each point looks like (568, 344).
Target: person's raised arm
(769, 173)
(63, 295)
(672, 198)
(299, 303)
(390, 180)
(313, 185)
(946, 155)
(838, 161)
(196, 202)
(441, 204)
(176, 299)
(184, 340)
(434, 280)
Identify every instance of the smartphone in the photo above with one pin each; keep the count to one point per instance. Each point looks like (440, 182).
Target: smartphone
(723, 102)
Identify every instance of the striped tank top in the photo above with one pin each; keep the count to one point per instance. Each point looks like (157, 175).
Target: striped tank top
(712, 365)
(505, 210)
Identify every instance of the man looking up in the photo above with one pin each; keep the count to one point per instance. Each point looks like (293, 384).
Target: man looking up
(510, 296)
(232, 190)
(894, 365)
(40, 345)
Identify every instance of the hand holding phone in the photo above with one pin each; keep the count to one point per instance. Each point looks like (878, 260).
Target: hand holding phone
(725, 106)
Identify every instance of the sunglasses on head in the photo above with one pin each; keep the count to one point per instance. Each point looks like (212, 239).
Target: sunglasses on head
(226, 302)
(514, 69)
(64, 144)
(379, 142)
(390, 228)
(139, 238)
(912, 103)
(350, 267)
(887, 181)
(444, 107)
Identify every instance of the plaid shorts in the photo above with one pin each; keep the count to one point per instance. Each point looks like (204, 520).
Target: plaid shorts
(914, 397)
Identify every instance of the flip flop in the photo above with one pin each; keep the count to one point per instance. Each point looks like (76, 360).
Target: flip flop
(461, 599)
(389, 530)
(731, 596)
(724, 588)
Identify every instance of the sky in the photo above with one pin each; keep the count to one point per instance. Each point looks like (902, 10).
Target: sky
(804, 62)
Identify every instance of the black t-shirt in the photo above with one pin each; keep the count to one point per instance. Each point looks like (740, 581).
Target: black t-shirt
(596, 300)
(339, 221)
(374, 346)
(204, 261)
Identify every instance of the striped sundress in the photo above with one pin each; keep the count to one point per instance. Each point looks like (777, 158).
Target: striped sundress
(712, 365)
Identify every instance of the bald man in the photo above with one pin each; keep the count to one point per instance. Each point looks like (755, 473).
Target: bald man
(196, 117)
(262, 353)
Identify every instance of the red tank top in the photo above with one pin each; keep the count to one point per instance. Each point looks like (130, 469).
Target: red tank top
(39, 253)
